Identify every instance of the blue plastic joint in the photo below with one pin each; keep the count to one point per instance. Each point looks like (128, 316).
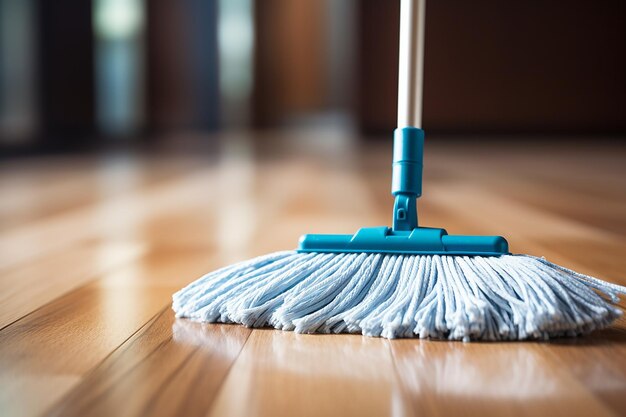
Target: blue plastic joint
(406, 237)
(406, 180)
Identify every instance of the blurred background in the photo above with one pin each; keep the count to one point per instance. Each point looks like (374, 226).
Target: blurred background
(77, 74)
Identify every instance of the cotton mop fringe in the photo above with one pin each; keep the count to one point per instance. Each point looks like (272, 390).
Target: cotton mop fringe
(511, 297)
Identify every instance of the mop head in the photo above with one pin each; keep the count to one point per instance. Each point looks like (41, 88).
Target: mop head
(509, 297)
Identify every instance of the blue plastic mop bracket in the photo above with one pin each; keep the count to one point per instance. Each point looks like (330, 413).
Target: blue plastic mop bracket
(406, 237)
(419, 241)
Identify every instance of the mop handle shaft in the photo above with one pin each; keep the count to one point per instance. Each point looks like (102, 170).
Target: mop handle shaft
(411, 63)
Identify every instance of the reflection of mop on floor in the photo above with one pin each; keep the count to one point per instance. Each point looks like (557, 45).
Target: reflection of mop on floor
(507, 373)
(472, 372)
(352, 358)
(306, 364)
(219, 340)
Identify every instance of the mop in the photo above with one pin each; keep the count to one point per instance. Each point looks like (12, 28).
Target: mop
(407, 280)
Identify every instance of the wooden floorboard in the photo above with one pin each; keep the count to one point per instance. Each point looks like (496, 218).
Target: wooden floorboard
(184, 362)
(283, 374)
(92, 248)
(70, 336)
(27, 288)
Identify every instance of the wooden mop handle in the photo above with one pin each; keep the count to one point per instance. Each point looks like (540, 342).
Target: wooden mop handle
(411, 65)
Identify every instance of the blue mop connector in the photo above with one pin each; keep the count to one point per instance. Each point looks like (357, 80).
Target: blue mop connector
(406, 236)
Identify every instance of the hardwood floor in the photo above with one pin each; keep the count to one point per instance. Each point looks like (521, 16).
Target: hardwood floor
(92, 247)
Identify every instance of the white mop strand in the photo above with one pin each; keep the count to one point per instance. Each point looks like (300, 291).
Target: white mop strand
(511, 297)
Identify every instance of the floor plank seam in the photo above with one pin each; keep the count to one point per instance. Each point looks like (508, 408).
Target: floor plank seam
(150, 404)
(219, 390)
(107, 391)
(147, 325)
(90, 281)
